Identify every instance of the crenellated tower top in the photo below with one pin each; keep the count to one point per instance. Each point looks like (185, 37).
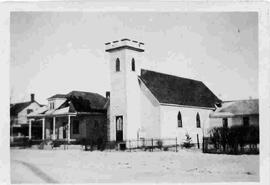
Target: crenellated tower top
(124, 44)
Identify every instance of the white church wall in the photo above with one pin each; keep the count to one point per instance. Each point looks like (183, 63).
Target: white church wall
(150, 114)
(133, 92)
(169, 123)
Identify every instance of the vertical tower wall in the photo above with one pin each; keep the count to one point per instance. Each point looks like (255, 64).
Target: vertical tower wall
(125, 89)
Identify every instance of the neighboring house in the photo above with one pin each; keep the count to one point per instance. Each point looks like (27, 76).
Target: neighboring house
(18, 116)
(148, 104)
(238, 112)
(72, 117)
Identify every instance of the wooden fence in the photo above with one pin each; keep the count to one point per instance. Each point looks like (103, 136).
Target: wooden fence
(140, 144)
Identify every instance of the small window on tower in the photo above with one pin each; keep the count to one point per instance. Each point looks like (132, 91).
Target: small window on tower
(198, 120)
(117, 65)
(133, 64)
(179, 119)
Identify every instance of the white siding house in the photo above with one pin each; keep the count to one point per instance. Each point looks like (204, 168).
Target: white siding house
(18, 116)
(72, 117)
(238, 112)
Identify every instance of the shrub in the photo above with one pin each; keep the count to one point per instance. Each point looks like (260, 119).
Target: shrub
(166, 148)
(234, 136)
(187, 142)
(219, 136)
(159, 143)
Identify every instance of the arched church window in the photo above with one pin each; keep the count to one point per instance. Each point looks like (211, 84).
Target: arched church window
(179, 119)
(133, 64)
(198, 120)
(117, 65)
(119, 123)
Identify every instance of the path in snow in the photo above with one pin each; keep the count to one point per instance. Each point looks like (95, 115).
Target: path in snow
(39, 173)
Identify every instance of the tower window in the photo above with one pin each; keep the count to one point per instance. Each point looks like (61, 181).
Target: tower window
(179, 119)
(117, 65)
(198, 121)
(133, 64)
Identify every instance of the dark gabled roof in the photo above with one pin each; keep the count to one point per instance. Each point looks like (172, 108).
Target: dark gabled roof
(18, 107)
(177, 90)
(86, 101)
(57, 96)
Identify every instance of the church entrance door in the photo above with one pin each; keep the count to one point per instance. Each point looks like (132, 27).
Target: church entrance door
(119, 128)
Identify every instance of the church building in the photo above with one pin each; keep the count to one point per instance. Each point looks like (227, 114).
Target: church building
(149, 104)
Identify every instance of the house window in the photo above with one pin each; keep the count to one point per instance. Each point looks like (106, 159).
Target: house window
(198, 120)
(179, 119)
(51, 105)
(133, 64)
(29, 111)
(75, 126)
(246, 121)
(117, 65)
(225, 122)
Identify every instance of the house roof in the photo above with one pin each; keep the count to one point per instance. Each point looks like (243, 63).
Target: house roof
(81, 99)
(18, 107)
(76, 102)
(57, 96)
(237, 108)
(177, 90)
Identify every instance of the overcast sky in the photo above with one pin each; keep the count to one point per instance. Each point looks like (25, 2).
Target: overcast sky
(59, 52)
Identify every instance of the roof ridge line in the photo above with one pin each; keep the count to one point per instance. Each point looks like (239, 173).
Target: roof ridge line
(240, 100)
(171, 75)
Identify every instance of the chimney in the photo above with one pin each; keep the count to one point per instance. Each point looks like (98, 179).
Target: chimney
(107, 94)
(32, 97)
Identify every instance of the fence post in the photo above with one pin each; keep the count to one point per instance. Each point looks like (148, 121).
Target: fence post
(152, 144)
(203, 144)
(198, 142)
(176, 144)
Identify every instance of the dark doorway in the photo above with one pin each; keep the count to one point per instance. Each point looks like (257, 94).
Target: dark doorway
(119, 128)
(36, 130)
(64, 130)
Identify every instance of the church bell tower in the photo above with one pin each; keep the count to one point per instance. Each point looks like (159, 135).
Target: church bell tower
(124, 56)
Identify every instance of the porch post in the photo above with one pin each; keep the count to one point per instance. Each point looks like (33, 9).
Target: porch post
(54, 128)
(30, 129)
(43, 128)
(68, 129)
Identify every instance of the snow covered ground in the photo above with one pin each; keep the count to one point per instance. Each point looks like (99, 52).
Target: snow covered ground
(77, 166)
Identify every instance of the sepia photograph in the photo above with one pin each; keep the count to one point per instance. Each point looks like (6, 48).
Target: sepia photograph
(134, 97)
